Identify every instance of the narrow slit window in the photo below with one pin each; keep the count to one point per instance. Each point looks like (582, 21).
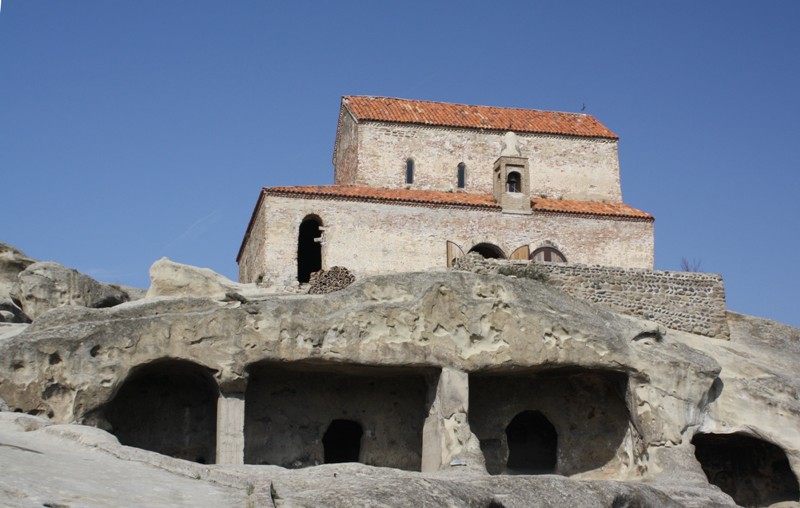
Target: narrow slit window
(409, 171)
(462, 175)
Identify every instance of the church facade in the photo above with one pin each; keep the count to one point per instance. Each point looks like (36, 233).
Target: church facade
(419, 184)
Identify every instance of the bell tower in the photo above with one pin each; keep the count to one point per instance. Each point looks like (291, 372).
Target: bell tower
(512, 188)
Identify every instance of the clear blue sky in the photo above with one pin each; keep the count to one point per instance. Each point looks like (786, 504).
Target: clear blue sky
(132, 130)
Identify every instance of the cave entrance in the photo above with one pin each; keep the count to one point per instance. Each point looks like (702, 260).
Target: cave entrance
(309, 248)
(488, 251)
(752, 471)
(169, 407)
(532, 444)
(563, 420)
(342, 441)
(300, 414)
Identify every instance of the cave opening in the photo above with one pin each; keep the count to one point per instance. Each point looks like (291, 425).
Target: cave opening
(169, 407)
(556, 421)
(752, 471)
(342, 441)
(532, 444)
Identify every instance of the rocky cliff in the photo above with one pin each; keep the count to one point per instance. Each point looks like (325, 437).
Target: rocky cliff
(450, 388)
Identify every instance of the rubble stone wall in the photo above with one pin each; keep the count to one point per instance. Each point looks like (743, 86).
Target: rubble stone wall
(689, 301)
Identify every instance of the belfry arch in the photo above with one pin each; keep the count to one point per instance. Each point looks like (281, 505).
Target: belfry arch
(309, 248)
(169, 407)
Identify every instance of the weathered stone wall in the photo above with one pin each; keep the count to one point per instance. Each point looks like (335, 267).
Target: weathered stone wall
(345, 153)
(560, 166)
(689, 301)
(373, 238)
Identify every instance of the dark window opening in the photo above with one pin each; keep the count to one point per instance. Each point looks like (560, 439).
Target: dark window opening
(532, 444)
(409, 171)
(169, 407)
(309, 249)
(489, 251)
(342, 441)
(753, 472)
(513, 183)
(462, 175)
(548, 254)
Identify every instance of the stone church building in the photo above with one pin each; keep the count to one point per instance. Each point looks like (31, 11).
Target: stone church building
(418, 184)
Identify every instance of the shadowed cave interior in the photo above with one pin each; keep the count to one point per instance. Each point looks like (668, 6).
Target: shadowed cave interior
(562, 421)
(169, 407)
(752, 471)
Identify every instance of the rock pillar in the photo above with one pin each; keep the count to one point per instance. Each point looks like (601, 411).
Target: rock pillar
(230, 428)
(447, 441)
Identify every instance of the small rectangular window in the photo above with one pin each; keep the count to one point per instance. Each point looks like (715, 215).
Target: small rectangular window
(409, 171)
(462, 177)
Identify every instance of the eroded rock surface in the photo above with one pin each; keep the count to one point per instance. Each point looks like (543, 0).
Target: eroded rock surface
(432, 368)
(12, 262)
(45, 285)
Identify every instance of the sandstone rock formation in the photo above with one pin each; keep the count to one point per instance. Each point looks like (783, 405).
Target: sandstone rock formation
(168, 278)
(12, 262)
(448, 373)
(46, 285)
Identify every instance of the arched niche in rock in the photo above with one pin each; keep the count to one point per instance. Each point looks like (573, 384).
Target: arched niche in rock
(169, 407)
(752, 471)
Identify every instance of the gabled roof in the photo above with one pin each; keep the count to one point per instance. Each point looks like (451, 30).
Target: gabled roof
(386, 109)
(440, 199)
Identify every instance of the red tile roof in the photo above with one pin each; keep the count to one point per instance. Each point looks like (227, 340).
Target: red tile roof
(455, 200)
(385, 109)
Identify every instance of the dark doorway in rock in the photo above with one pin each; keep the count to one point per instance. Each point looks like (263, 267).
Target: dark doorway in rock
(532, 444)
(489, 251)
(342, 441)
(752, 471)
(169, 407)
(309, 248)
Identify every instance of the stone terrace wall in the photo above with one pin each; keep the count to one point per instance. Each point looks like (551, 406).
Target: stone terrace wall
(689, 301)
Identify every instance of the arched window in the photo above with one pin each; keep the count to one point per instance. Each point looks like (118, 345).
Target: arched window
(514, 182)
(489, 251)
(462, 175)
(409, 171)
(342, 441)
(548, 255)
(309, 248)
(532, 444)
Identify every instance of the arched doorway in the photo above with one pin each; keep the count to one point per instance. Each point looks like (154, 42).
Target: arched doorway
(752, 471)
(169, 407)
(548, 255)
(532, 444)
(342, 441)
(488, 251)
(309, 248)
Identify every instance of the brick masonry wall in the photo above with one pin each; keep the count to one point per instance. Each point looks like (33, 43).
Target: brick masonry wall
(375, 238)
(560, 166)
(689, 301)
